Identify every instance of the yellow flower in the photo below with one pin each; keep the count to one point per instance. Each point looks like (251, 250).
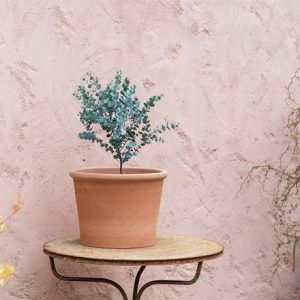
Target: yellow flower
(6, 271)
(1, 224)
(18, 204)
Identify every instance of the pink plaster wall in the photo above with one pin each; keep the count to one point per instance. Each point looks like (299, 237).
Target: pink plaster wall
(223, 67)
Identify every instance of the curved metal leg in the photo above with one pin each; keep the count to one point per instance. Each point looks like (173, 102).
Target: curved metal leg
(137, 295)
(137, 280)
(86, 279)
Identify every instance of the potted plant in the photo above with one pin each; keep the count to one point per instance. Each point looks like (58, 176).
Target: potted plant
(117, 207)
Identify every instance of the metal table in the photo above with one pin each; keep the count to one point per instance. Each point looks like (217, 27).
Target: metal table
(169, 249)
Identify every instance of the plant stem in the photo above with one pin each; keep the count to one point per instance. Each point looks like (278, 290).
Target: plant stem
(121, 166)
(294, 253)
(121, 161)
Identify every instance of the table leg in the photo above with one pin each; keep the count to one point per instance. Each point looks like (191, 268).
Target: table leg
(86, 279)
(138, 293)
(137, 280)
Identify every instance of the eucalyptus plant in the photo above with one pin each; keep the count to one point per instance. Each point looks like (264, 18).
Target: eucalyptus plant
(115, 118)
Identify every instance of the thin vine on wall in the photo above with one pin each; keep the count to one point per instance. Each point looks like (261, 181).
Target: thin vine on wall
(286, 173)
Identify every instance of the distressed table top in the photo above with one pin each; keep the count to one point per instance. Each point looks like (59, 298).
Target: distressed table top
(169, 249)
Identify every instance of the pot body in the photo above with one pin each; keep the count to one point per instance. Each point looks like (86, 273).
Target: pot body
(118, 210)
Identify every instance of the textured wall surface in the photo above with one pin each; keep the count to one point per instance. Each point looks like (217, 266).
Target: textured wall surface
(223, 67)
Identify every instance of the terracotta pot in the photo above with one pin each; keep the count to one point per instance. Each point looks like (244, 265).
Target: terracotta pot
(118, 210)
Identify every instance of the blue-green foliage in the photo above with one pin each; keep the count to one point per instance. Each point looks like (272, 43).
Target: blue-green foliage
(123, 118)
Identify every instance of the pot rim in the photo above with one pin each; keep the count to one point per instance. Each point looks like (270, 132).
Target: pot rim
(141, 174)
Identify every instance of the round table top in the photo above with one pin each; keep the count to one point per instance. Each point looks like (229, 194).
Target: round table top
(169, 249)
